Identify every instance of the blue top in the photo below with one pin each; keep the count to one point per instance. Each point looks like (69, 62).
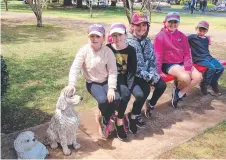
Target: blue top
(199, 48)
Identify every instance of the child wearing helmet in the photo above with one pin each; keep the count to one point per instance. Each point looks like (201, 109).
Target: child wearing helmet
(199, 44)
(146, 74)
(173, 57)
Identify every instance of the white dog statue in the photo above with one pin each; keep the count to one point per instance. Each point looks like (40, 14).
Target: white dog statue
(63, 125)
(27, 147)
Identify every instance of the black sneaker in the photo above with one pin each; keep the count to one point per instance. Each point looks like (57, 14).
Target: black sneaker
(121, 134)
(148, 110)
(103, 129)
(203, 88)
(216, 91)
(132, 125)
(139, 121)
(175, 97)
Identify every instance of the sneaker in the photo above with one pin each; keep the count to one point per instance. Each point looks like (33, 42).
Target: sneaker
(139, 122)
(203, 88)
(121, 134)
(175, 97)
(103, 129)
(210, 91)
(132, 125)
(215, 88)
(148, 110)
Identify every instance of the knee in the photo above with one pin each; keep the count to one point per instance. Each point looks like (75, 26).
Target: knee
(125, 94)
(197, 77)
(212, 70)
(185, 78)
(161, 85)
(139, 96)
(101, 99)
(221, 69)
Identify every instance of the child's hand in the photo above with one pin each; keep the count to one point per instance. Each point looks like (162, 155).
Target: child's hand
(111, 95)
(69, 90)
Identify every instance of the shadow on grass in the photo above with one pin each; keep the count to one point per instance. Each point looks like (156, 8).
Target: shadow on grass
(15, 33)
(35, 84)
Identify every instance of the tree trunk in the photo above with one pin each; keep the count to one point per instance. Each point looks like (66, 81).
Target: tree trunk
(113, 3)
(128, 8)
(39, 20)
(67, 3)
(6, 5)
(79, 3)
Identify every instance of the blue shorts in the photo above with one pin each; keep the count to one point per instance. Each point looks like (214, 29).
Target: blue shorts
(166, 66)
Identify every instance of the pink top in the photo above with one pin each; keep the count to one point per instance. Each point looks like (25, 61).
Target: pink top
(172, 48)
(97, 66)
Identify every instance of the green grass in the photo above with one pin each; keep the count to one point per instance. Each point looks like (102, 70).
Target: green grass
(38, 62)
(211, 144)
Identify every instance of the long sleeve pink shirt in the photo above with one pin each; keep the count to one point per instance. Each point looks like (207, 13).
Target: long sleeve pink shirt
(172, 48)
(97, 66)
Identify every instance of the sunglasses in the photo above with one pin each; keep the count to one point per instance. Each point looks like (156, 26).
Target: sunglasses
(173, 21)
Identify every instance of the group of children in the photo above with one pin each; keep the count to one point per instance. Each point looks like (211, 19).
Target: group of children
(130, 64)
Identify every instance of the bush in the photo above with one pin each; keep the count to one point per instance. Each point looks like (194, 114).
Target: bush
(4, 77)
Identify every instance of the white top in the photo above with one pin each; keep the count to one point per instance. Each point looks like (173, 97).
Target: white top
(96, 66)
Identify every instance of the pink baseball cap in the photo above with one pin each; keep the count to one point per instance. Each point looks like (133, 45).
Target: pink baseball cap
(138, 18)
(172, 16)
(118, 28)
(203, 24)
(97, 29)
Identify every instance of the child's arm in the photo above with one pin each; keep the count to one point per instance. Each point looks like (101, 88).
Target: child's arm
(112, 69)
(76, 67)
(187, 55)
(158, 47)
(131, 68)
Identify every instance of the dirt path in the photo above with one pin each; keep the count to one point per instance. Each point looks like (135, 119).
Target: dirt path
(167, 129)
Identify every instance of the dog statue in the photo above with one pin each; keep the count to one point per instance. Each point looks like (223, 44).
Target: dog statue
(63, 125)
(27, 147)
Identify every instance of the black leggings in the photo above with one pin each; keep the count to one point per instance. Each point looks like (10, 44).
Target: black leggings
(141, 92)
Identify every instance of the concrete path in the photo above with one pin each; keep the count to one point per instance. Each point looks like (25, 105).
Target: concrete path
(167, 128)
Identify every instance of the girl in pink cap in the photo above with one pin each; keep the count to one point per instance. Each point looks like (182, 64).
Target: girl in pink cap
(199, 44)
(173, 57)
(146, 74)
(98, 65)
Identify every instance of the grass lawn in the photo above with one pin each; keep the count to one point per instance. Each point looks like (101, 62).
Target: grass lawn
(211, 144)
(39, 59)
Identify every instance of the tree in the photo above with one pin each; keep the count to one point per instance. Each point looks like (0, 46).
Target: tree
(37, 6)
(128, 8)
(67, 3)
(79, 3)
(113, 3)
(6, 5)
